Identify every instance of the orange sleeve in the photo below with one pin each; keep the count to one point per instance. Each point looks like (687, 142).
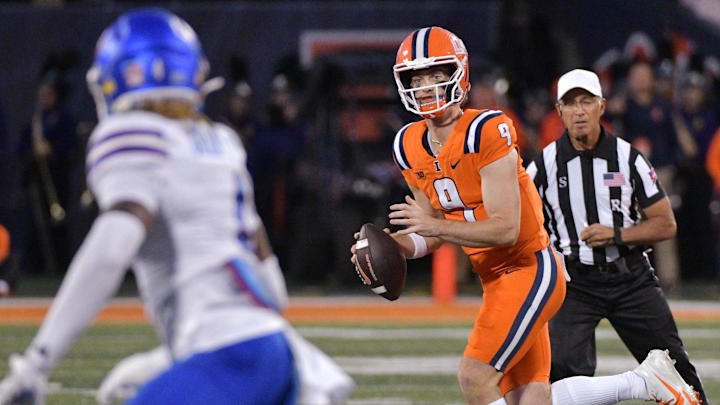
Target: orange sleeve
(712, 161)
(497, 138)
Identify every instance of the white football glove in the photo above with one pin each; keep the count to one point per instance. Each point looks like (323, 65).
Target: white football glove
(27, 380)
(124, 380)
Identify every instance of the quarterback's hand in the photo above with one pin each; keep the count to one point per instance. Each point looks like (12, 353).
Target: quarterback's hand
(353, 248)
(26, 382)
(597, 235)
(415, 218)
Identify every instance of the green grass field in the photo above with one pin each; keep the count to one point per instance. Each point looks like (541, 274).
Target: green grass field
(362, 349)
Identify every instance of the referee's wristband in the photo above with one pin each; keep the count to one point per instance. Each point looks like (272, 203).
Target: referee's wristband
(617, 237)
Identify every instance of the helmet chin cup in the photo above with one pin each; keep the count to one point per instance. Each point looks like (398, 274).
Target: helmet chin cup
(434, 110)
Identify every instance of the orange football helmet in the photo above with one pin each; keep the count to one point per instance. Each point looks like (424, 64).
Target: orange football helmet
(424, 48)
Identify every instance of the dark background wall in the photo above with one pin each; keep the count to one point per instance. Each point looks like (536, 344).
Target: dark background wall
(262, 33)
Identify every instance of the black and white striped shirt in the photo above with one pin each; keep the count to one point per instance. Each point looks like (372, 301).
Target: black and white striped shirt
(605, 185)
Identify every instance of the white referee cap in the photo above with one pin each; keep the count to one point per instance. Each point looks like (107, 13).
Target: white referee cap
(578, 78)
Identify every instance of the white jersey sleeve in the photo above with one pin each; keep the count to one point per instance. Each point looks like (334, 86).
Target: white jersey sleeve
(125, 156)
(246, 209)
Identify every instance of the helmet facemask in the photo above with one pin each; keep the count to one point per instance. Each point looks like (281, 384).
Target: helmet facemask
(446, 93)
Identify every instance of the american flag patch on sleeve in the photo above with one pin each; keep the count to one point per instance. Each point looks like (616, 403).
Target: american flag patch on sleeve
(652, 175)
(614, 179)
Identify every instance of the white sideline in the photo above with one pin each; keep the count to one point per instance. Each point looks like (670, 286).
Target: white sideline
(456, 333)
(441, 365)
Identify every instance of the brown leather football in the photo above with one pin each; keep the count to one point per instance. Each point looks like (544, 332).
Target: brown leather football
(380, 262)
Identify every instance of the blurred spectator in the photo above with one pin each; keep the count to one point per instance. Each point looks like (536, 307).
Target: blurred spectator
(537, 102)
(664, 83)
(551, 125)
(239, 113)
(50, 153)
(491, 94)
(272, 159)
(712, 164)
(696, 123)
(647, 123)
(4, 244)
(8, 219)
(4, 253)
(639, 47)
(647, 120)
(712, 161)
(551, 128)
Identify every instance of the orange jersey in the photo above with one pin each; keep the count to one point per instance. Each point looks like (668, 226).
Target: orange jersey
(453, 184)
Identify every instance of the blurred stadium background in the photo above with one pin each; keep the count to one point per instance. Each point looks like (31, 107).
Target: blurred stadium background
(310, 90)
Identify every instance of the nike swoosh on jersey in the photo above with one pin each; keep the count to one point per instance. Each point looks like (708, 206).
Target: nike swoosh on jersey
(454, 165)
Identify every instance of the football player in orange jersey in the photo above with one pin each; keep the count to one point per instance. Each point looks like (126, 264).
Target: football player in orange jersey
(470, 188)
(464, 164)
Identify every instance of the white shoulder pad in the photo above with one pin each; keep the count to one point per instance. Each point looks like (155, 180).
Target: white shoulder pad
(123, 135)
(124, 153)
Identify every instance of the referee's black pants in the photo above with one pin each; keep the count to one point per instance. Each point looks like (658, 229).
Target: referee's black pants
(637, 309)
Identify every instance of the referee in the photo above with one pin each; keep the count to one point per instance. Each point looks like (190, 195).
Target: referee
(602, 204)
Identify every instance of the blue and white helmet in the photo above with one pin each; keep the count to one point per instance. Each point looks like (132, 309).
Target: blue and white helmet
(146, 54)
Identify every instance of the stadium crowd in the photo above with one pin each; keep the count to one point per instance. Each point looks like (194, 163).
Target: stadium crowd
(307, 150)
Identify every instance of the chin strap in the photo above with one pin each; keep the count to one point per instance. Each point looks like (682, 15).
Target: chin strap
(211, 85)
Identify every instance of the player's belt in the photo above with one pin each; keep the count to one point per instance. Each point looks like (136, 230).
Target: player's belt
(627, 264)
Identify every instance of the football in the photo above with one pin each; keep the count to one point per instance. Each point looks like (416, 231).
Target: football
(380, 262)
